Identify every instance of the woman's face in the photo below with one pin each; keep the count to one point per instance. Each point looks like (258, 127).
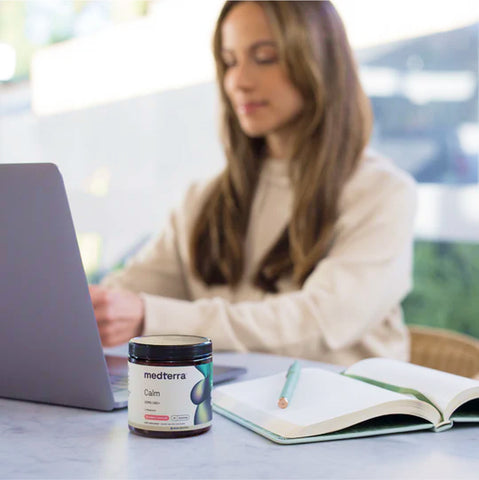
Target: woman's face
(261, 94)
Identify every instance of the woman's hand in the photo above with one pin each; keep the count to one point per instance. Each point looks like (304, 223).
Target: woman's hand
(119, 314)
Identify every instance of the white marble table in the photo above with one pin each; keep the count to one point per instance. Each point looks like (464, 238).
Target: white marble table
(49, 442)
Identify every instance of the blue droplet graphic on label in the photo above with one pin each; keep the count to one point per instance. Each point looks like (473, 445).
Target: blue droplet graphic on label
(201, 392)
(203, 412)
(205, 369)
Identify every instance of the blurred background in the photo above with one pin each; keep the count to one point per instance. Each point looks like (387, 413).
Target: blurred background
(121, 96)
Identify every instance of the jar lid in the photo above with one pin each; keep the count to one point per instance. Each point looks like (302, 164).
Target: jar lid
(170, 347)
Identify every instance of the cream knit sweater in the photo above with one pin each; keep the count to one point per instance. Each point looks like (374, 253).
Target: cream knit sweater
(347, 309)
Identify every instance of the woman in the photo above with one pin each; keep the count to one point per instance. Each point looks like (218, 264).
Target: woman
(302, 245)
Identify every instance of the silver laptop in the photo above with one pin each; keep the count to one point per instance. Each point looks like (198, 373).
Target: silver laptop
(51, 350)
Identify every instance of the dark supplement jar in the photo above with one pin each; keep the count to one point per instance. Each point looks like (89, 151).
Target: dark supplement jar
(170, 378)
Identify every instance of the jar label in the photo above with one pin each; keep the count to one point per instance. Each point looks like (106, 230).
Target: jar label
(169, 398)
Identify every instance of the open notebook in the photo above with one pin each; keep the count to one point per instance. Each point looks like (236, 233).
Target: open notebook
(374, 396)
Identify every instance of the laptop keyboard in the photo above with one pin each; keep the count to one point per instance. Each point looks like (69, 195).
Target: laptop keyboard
(119, 383)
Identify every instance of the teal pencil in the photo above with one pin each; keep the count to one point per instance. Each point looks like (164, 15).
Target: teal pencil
(290, 385)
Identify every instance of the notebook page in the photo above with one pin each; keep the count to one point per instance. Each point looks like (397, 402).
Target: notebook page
(320, 396)
(439, 387)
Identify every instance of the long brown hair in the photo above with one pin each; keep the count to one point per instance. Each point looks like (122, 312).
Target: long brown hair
(331, 134)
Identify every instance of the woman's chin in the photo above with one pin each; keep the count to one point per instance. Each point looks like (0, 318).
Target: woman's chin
(254, 131)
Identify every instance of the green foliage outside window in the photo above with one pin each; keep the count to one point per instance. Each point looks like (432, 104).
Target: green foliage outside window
(446, 287)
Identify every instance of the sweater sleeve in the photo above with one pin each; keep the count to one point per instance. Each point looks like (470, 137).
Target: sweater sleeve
(365, 276)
